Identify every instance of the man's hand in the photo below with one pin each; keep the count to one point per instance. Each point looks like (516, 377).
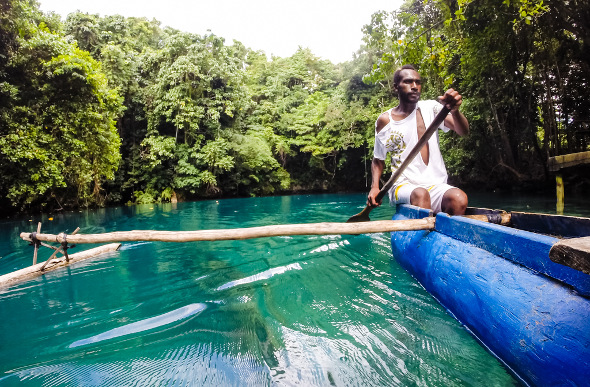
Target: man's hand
(371, 200)
(451, 99)
(456, 121)
(377, 167)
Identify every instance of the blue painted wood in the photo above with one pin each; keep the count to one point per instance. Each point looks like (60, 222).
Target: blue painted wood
(412, 212)
(523, 247)
(539, 327)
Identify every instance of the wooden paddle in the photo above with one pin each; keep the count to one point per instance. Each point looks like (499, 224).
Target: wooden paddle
(363, 216)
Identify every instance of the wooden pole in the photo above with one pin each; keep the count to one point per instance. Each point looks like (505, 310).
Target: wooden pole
(560, 193)
(253, 232)
(58, 250)
(363, 216)
(36, 245)
(244, 233)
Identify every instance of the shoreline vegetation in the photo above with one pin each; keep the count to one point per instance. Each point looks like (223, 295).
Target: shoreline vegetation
(105, 110)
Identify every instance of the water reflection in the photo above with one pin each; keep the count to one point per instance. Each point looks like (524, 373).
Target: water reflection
(267, 274)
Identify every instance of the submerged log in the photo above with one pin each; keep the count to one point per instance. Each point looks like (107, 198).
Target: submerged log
(35, 270)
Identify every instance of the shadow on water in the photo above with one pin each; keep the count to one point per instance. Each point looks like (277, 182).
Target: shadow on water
(309, 310)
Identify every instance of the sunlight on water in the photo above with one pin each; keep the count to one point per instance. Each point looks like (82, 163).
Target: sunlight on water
(143, 325)
(267, 274)
(307, 310)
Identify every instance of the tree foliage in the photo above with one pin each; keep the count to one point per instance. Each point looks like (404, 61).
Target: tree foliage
(57, 118)
(97, 110)
(511, 60)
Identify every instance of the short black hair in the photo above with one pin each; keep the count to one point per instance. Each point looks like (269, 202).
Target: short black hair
(397, 76)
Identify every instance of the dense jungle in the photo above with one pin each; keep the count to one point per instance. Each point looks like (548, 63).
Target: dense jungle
(103, 110)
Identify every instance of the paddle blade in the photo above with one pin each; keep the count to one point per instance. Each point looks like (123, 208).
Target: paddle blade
(362, 216)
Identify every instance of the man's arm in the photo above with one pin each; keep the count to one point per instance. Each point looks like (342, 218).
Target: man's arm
(377, 167)
(456, 121)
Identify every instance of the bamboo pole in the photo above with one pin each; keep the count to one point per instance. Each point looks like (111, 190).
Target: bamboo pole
(252, 232)
(35, 270)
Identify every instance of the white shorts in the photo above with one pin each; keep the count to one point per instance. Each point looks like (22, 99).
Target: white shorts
(400, 194)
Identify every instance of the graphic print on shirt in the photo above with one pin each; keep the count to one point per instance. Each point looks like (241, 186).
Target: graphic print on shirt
(396, 145)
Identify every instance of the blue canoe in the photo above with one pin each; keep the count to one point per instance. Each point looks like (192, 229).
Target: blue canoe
(501, 283)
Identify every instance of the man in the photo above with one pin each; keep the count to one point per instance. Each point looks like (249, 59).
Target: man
(424, 182)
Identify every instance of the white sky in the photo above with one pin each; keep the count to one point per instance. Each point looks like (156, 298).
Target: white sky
(331, 29)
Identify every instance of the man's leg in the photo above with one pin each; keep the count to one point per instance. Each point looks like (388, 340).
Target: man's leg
(454, 202)
(420, 197)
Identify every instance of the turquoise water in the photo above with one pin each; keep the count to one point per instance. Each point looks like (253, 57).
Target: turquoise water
(309, 310)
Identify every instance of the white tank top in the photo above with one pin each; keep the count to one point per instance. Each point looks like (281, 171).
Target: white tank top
(400, 137)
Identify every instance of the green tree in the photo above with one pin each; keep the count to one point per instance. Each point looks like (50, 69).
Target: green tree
(194, 100)
(510, 60)
(57, 117)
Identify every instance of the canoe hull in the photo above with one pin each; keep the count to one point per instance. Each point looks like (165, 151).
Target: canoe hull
(538, 326)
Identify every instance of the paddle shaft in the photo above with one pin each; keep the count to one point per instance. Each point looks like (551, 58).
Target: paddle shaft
(440, 117)
(363, 216)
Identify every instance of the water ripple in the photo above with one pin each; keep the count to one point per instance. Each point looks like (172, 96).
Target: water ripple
(261, 276)
(297, 310)
(144, 325)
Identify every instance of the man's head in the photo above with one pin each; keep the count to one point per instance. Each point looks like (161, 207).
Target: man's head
(408, 84)
(397, 75)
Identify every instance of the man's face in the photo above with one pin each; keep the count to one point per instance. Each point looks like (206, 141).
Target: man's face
(410, 86)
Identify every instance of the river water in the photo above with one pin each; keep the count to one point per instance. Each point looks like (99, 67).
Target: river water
(308, 310)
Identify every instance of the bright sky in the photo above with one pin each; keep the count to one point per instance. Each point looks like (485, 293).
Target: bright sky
(332, 29)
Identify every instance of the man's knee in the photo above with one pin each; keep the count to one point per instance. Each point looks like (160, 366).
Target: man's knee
(420, 197)
(454, 202)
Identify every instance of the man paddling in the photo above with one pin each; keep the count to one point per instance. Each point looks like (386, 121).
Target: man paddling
(424, 182)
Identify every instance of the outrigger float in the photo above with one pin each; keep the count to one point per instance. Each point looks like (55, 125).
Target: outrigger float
(519, 282)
